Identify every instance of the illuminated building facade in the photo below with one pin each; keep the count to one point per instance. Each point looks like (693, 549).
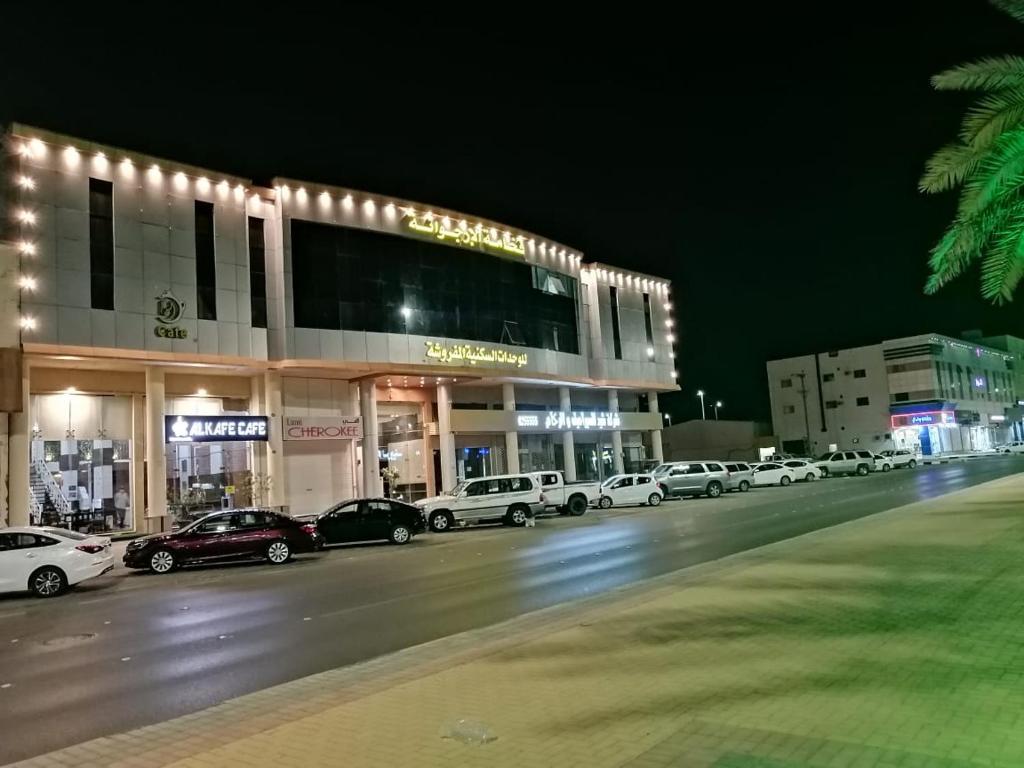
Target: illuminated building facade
(182, 339)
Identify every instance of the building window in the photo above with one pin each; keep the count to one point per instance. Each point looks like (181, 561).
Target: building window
(863, 401)
(832, 404)
(828, 376)
(257, 273)
(859, 373)
(206, 267)
(901, 397)
(616, 338)
(789, 409)
(786, 383)
(554, 283)
(101, 243)
(648, 322)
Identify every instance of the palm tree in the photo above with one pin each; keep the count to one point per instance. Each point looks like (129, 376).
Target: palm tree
(987, 164)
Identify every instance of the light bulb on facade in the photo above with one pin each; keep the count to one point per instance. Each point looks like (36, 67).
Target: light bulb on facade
(301, 195)
(127, 168)
(223, 188)
(29, 249)
(650, 351)
(668, 322)
(670, 338)
(27, 283)
(200, 392)
(153, 174)
(203, 185)
(27, 323)
(100, 162)
(325, 198)
(36, 148)
(180, 181)
(674, 374)
(368, 206)
(346, 202)
(406, 312)
(239, 193)
(26, 182)
(25, 216)
(71, 157)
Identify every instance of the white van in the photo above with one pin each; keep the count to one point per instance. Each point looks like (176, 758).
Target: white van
(509, 498)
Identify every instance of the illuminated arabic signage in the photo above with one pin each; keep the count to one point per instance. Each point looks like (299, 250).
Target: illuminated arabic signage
(928, 418)
(209, 429)
(479, 237)
(565, 420)
(473, 354)
(322, 428)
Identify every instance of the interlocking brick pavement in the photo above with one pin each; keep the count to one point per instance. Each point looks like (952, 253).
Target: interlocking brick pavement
(891, 642)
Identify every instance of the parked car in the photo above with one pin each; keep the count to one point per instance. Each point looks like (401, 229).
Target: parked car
(511, 499)
(906, 458)
(1016, 446)
(741, 476)
(773, 473)
(573, 498)
(237, 534)
(370, 520)
(846, 463)
(692, 478)
(882, 463)
(630, 489)
(46, 561)
(803, 469)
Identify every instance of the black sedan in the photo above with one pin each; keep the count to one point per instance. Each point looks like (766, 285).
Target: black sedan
(238, 534)
(370, 520)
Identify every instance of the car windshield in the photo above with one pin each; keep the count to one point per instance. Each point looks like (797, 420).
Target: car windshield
(66, 534)
(458, 488)
(661, 469)
(826, 456)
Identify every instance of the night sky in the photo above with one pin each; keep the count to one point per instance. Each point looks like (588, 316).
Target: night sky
(765, 161)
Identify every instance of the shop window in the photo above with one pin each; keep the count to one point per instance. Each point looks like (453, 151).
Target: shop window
(257, 273)
(613, 295)
(863, 401)
(648, 321)
(900, 397)
(206, 267)
(101, 243)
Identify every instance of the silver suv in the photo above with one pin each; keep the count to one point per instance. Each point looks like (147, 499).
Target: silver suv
(846, 463)
(692, 478)
(741, 476)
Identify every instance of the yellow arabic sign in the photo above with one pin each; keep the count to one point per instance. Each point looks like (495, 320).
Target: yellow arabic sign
(467, 353)
(463, 235)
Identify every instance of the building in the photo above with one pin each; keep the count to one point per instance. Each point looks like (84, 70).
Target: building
(182, 339)
(716, 439)
(931, 392)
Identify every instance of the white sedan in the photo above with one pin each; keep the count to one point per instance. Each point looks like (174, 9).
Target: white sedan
(630, 489)
(803, 470)
(46, 561)
(772, 473)
(883, 463)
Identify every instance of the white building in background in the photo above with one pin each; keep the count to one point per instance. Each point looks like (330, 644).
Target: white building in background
(186, 335)
(931, 392)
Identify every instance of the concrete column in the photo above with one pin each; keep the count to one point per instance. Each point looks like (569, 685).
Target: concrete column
(373, 484)
(618, 465)
(19, 448)
(273, 407)
(256, 408)
(449, 472)
(156, 461)
(568, 445)
(508, 396)
(138, 474)
(652, 406)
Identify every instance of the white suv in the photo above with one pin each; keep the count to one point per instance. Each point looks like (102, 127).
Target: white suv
(902, 457)
(510, 498)
(846, 463)
(1017, 446)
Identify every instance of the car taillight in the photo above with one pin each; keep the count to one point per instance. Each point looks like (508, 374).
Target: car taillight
(309, 528)
(92, 549)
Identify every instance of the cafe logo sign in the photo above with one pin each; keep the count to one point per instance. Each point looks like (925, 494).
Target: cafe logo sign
(210, 429)
(322, 428)
(169, 310)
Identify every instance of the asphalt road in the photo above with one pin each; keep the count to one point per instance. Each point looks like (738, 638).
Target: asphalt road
(130, 649)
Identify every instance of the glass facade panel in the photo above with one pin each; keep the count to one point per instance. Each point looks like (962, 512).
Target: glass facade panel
(358, 280)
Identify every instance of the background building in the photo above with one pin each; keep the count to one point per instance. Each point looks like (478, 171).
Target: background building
(189, 339)
(716, 439)
(931, 392)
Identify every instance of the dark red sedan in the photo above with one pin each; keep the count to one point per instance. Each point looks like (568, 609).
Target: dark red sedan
(238, 534)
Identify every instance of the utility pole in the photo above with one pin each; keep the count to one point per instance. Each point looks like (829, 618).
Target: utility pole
(807, 423)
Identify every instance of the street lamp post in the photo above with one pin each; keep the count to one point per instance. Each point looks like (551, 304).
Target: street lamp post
(718, 404)
(700, 394)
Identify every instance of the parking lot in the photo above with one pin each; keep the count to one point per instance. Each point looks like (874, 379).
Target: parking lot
(133, 648)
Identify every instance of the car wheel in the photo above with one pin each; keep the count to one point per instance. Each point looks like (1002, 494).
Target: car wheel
(441, 522)
(162, 561)
(714, 489)
(48, 581)
(784, 481)
(810, 477)
(886, 467)
(912, 463)
(400, 534)
(862, 469)
(278, 552)
(605, 502)
(744, 486)
(577, 505)
(654, 499)
(517, 515)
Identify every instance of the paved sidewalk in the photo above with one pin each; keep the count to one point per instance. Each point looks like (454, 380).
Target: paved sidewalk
(893, 641)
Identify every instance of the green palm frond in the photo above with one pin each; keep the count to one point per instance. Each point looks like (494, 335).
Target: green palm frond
(999, 172)
(1013, 7)
(1003, 263)
(994, 73)
(949, 167)
(992, 116)
(963, 243)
